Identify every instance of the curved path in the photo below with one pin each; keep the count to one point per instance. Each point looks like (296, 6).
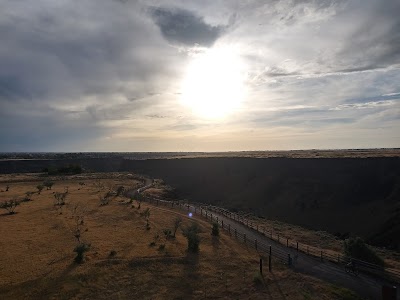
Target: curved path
(366, 286)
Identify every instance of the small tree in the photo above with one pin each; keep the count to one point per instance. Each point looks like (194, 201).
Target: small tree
(356, 248)
(146, 214)
(120, 190)
(40, 187)
(80, 250)
(28, 196)
(192, 235)
(59, 201)
(215, 229)
(48, 184)
(10, 206)
(177, 224)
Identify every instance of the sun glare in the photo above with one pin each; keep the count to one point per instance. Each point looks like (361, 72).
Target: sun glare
(214, 84)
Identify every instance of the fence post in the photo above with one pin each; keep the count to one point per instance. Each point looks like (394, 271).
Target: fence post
(261, 266)
(297, 246)
(244, 238)
(321, 256)
(229, 229)
(206, 214)
(217, 219)
(211, 217)
(255, 243)
(269, 258)
(222, 224)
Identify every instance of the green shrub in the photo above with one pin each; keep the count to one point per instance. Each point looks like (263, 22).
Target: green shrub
(192, 235)
(80, 252)
(356, 248)
(48, 184)
(215, 229)
(167, 233)
(40, 187)
(10, 206)
(258, 279)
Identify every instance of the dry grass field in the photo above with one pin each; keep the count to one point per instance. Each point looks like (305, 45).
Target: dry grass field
(126, 260)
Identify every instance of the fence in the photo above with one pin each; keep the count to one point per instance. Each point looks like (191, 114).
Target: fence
(323, 255)
(267, 250)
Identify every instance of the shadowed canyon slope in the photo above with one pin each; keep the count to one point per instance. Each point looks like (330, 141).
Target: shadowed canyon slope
(360, 196)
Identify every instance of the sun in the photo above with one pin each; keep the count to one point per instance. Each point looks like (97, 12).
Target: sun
(214, 83)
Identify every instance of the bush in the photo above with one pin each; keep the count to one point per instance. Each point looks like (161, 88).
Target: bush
(258, 279)
(120, 190)
(10, 206)
(356, 248)
(48, 184)
(192, 235)
(215, 229)
(80, 252)
(167, 233)
(40, 187)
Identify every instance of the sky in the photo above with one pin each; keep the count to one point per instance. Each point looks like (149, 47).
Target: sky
(209, 75)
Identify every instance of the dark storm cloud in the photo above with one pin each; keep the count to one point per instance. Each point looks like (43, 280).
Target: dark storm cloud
(184, 27)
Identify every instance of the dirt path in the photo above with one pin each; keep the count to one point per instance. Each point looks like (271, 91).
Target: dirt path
(366, 286)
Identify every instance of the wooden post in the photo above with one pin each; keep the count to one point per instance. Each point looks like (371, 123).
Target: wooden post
(269, 259)
(229, 229)
(206, 214)
(297, 246)
(255, 243)
(244, 238)
(321, 256)
(261, 266)
(222, 224)
(217, 219)
(211, 217)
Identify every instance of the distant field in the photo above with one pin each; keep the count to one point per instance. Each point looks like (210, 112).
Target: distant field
(37, 245)
(313, 153)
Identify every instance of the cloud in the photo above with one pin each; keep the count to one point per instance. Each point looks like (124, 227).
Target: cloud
(102, 72)
(184, 27)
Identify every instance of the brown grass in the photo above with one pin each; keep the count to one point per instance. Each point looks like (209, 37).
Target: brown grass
(37, 252)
